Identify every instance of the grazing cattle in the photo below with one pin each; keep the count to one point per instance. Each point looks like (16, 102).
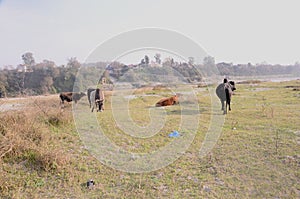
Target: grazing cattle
(97, 100)
(89, 95)
(168, 101)
(224, 91)
(70, 96)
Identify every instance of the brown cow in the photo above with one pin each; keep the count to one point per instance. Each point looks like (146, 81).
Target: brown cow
(168, 101)
(70, 96)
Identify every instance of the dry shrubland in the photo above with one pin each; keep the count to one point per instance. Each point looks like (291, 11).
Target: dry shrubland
(27, 140)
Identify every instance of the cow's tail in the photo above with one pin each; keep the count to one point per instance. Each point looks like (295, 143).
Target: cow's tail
(89, 97)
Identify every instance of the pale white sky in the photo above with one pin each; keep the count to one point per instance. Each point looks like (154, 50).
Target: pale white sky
(231, 31)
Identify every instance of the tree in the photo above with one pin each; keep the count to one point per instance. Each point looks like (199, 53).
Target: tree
(46, 84)
(146, 59)
(28, 59)
(167, 61)
(48, 63)
(3, 84)
(157, 58)
(73, 63)
(209, 66)
(209, 61)
(191, 60)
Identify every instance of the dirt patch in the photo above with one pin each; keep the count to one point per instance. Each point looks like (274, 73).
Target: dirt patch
(250, 82)
(130, 97)
(10, 107)
(17, 103)
(261, 89)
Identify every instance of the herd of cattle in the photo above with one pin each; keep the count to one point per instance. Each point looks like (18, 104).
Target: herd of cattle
(96, 97)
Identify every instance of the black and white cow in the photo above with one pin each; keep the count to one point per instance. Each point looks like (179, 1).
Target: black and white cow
(97, 100)
(224, 91)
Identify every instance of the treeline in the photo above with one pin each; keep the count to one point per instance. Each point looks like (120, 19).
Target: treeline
(258, 69)
(36, 80)
(129, 73)
(31, 78)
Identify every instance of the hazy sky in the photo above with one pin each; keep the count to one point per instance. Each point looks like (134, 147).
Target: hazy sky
(231, 31)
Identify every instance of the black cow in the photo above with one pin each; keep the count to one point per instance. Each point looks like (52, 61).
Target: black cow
(224, 91)
(70, 96)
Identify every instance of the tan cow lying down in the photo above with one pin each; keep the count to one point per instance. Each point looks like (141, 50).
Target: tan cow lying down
(168, 101)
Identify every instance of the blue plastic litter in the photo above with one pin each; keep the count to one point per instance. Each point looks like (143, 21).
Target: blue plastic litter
(174, 134)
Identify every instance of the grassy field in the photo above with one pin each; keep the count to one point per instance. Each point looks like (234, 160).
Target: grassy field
(256, 156)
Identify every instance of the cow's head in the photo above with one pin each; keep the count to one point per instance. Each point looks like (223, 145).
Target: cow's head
(232, 84)
(81, 94)
(175, 99)
(99, 105)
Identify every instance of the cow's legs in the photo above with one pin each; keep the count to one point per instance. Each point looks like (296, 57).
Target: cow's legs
(227, 105)
(222, 102)
(227, 100)
(97, 105)
(225, 108)
(62, 104)
(101, 108)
